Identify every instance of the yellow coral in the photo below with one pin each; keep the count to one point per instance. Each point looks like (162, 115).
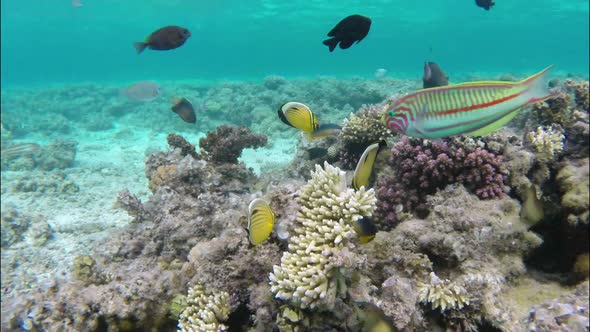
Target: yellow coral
(162, 175)
(205, 311)
(442, 294)
(547, 141)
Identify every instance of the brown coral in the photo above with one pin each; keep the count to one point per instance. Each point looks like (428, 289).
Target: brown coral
(225, 144)
(162, 175)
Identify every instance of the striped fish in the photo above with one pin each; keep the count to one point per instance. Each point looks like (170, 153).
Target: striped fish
(473, 108)
(20, 149)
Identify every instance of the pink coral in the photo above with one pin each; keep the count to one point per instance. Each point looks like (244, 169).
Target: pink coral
(421, 167)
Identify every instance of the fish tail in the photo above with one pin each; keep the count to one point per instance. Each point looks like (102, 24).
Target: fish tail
(331, 43)
(140, 46)
(536, 87)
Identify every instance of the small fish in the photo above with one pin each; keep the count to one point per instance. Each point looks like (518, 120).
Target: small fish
(298, 115)
(324, 130)
(353, 28)
(20, 149)
(166, 38)
(142, 91)
(261, 220)
(380, 73)
(473, 108)
(433, 76)
(485, 4)
(76, 3)
(374, 318)
(185, 110)
(366, 229)
(532, 207)
(364, 168)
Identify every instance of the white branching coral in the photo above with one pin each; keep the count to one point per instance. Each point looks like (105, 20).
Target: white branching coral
(548, 142)
(205, 311)
(307, 276)
(442, 294)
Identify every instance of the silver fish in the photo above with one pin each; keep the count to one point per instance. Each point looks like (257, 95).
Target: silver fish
(142, 91)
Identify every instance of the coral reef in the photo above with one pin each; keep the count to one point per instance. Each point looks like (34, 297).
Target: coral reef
(360, 130)
(205, 311)
(574, 182)
(420, 167)
(442, 294)
(565, 313)
(21, 229)
(472, 246)
(60, 154)
(308, 274)
(177, 141)
(226, 143)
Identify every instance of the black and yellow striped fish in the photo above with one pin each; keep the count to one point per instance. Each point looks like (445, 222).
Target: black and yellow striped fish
(364, 168)
(261, 220)
(366, 229)
(299, 116)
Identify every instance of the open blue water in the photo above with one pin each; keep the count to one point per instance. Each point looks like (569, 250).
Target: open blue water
(47, 41)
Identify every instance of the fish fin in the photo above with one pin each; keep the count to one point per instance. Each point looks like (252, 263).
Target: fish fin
(140, 46)
(494, 125)
(427, 72)
(346, 44)
(331, 43)
(537, 87)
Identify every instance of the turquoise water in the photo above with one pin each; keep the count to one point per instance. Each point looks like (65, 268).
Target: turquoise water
(52, 41)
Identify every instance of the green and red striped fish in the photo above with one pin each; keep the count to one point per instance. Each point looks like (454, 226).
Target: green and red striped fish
(472, 108)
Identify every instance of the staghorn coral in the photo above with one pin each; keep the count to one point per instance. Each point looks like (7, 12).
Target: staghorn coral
(308, 274)
(225, 144)
(442, 294)
(420, 167)
(205, 311)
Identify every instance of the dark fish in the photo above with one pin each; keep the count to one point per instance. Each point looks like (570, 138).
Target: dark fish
(352, 28)
(166, 38)
(185, 110)
(433, 76)
(485, 4)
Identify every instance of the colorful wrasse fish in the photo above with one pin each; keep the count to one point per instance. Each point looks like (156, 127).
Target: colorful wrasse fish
(473, 108)
(299, 116)
(261, 221)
